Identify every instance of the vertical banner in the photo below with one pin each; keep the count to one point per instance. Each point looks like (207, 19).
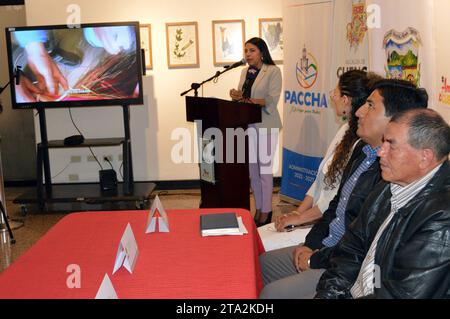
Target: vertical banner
(307, 112)
(442, 79)
(402, 46)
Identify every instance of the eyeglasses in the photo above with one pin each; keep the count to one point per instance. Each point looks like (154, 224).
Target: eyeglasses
(333, 94)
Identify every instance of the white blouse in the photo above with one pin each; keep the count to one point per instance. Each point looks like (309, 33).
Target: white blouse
(321, 195)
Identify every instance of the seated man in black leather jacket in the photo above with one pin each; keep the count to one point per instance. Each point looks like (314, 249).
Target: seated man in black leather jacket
(294, 272)
(399, 245)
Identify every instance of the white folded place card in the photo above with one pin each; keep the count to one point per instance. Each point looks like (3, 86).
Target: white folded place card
(163, 220)
(106, 290)
(127, 252)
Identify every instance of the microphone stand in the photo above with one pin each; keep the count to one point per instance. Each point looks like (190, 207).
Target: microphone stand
(3, 88)
(16, 77)
(5, 224)
(1, 91)
(196, 86)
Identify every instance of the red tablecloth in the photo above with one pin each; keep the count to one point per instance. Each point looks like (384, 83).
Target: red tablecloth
(179, 264)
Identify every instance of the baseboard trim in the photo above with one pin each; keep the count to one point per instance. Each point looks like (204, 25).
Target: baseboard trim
(12, 3)
(193, 184)
(160, 185)
(30, 183)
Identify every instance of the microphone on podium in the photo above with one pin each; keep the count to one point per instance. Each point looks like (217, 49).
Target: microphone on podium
(235, 65)
(196, 86)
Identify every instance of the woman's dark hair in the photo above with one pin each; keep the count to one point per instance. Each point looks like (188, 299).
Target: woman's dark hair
(262, 46)
(357, 85)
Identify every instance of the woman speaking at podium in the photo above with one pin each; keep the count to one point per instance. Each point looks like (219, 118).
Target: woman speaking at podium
(260, 83)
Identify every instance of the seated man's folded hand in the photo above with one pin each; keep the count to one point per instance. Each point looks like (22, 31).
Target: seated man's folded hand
(298, 256)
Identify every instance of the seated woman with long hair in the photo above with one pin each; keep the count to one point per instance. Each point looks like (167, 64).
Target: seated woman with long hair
(350, 94)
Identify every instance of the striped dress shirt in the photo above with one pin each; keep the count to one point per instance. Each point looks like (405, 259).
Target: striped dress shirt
(337, 226)
(365, 283)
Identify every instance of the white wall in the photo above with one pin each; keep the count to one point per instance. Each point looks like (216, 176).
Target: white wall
(164, 109)
(441, 27)
(16, 127)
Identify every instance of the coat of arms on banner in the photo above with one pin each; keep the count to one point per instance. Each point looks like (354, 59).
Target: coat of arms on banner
(402, 52)
(356, 30)
(307, 70)
(444, 95)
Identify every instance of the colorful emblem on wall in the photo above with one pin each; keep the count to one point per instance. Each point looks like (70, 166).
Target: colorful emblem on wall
(307, 70)
(357, 28)
(402, 53)
(444, 95)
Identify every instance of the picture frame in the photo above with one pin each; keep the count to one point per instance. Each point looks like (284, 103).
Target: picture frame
(228, 41)
(182, 45)
(271, 31)
(145, 33)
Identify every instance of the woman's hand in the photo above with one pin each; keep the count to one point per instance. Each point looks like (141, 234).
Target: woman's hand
(236, 94)
(284, 220)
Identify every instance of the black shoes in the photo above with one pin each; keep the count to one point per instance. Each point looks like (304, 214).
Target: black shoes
(267, 221)
(257, 215)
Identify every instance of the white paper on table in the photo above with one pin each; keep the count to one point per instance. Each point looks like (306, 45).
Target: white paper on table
(272, 239)
(106, 290)
(127, 252)
(163, 221)
(242, 228)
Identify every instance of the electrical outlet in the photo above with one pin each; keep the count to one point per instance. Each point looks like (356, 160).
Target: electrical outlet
(90, 158)
(109, 157)
(73, 178)
(75, 159)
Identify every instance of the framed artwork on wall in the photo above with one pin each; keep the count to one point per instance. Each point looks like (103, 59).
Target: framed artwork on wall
(145, 33)
(228, 41)
(182, 45)
(271, 31)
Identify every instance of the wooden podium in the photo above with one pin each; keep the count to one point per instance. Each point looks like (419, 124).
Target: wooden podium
(231, 188)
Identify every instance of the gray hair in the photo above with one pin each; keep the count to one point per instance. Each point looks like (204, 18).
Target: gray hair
(427, 129)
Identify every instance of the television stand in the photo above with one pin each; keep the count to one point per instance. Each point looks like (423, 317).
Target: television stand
(86, 197)
(46, 195)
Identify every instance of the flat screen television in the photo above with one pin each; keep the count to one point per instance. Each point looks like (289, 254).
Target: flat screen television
(90, 65)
